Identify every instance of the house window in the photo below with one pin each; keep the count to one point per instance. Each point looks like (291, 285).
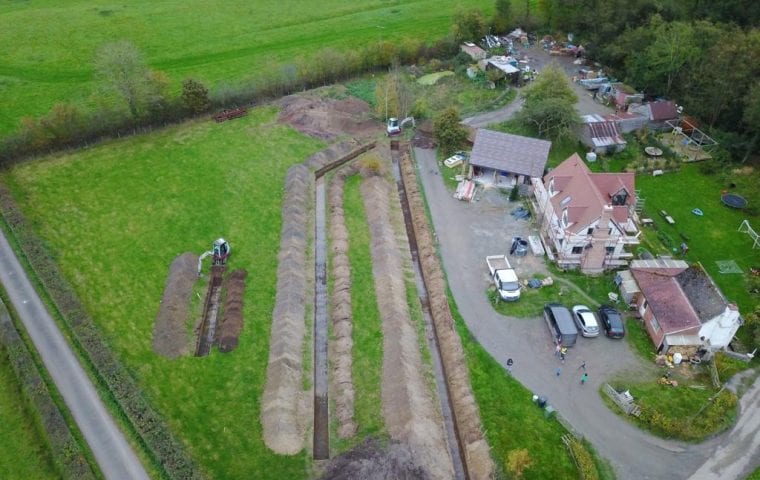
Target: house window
(551, 187)
(609, 249)
(590, 231)
(565, 201)
(564, 218)
(655, 325)
(620, 197)
(577, 250)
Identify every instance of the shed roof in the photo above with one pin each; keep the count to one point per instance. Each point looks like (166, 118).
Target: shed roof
(510, 153)
(666, 299)
(604, 134)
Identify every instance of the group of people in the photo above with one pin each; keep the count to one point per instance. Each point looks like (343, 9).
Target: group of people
(560, 351)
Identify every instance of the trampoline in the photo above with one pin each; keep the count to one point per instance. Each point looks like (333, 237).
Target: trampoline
(734, 200)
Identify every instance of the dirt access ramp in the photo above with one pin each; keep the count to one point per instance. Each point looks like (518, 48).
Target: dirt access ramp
(477, 455)
(170, 337)
(409, 406)
(329, 118)
(370, 460)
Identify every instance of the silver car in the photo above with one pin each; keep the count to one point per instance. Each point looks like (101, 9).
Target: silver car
(586, 321)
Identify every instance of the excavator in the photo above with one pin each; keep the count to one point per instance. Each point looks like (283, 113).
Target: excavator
(220, 251)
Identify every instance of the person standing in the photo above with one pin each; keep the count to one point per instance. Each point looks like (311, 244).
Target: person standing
(584, 378)
(509, 365)
(562, 353)
(557, 349)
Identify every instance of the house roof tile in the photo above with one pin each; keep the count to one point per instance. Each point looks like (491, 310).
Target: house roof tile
(666, 299)
(589, 192)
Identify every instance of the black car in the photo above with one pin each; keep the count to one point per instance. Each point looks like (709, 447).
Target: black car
(612, 321)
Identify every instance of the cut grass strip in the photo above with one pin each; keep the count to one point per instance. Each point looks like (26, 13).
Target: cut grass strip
(367, 332)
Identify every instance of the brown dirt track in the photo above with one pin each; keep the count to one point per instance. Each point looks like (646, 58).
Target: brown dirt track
(372, 461)
(170, 337)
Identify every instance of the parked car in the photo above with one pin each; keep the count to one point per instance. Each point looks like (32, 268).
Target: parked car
(560, 323)
(586, 321)
(455, 160)
(612, 321)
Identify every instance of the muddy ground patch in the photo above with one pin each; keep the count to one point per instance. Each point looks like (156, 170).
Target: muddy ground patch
(329, 118)
(170, 337)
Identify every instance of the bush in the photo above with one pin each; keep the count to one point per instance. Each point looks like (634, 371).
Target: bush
(584, 461)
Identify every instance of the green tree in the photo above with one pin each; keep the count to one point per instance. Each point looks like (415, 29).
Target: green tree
(469, 25)
(393, 95)
(448, 132)
(121, 69)
(549, 104)
(195, 96)
(502, 18)
(752, 119)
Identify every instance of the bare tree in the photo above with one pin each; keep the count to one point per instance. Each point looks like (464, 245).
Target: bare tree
(121, 68)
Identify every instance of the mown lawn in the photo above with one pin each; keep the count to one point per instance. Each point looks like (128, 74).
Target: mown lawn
(54, 44)
(367, 331)
(24, 453)
(116, 215)
(714, 235)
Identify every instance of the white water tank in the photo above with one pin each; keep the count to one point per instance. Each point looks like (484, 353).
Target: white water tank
(591, 157)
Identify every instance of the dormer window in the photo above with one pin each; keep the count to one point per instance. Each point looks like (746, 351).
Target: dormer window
(620, 198)
(551, 187)
(565, 201)
(564, 218)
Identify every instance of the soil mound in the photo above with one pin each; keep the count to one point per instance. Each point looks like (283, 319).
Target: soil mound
(372, 461)
(170, 337)
(232, 316)
(328, 118)
(469, 427)
(280, 413)
(341, 347)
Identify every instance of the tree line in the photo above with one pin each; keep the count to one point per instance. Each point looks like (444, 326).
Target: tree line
(130, 96)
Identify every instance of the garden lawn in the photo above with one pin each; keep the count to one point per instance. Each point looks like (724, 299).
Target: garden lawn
(714, 235)
(116, 215)
(54, 44)
(674, 412)
(24, 453)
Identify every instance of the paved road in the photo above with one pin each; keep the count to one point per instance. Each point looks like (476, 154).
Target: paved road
(469, 232)
(113, 454)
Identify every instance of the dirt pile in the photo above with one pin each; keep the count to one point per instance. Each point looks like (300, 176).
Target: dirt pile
(476, 450)
(232, 313)
(372, 461)
(408, 404)
(281, 418)
(328, 118)
(341, 347)
(170, 337)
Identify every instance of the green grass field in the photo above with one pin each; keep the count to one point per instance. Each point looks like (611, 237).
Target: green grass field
(367, 332)
(53, 45)
(116, 215)
(24, 453)
(714, 235)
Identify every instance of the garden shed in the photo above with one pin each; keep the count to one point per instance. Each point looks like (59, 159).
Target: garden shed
(628, 286)
(600, 135)
(506, 160)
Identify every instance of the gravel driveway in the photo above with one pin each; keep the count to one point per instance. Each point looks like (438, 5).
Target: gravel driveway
(467, 232)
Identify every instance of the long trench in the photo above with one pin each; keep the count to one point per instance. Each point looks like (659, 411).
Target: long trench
(449, 420)
(321, 412)
(207, 328)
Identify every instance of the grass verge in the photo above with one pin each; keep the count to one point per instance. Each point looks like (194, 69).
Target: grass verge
(367, 331)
